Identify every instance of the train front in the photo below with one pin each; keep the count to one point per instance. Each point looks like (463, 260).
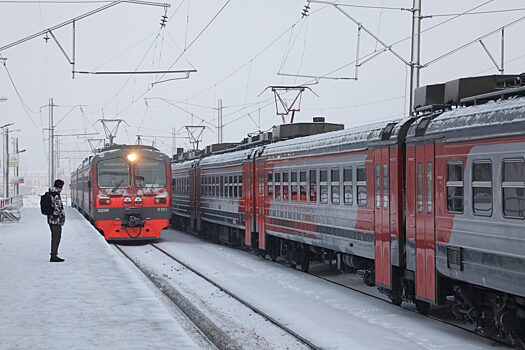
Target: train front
(132, 193)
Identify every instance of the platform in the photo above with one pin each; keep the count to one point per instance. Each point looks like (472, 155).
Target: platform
(95, 299)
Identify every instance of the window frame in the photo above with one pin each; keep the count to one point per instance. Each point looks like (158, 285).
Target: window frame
(483, 184)
(510, 184)
(348, 184)
(361, 183)
(455, 184)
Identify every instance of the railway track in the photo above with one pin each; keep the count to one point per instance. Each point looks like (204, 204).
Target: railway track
(220, 341)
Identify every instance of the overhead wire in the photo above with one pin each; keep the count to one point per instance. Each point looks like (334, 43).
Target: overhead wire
(370, 54)
(177, 59)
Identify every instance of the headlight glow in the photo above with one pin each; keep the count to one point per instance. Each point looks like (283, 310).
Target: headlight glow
(132, 157)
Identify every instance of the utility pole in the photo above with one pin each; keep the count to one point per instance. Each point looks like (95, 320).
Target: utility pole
(173, 141)
(219, 123)
(415, 60)
(51, 144)
(5, 164)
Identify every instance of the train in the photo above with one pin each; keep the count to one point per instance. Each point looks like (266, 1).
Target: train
(431, 207)
(124, 191)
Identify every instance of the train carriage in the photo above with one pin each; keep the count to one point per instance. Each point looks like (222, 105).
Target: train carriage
(466, 211)
(431, 207)
(124, 191)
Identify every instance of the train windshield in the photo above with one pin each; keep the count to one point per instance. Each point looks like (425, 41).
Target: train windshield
(113, 173)
(150, 173)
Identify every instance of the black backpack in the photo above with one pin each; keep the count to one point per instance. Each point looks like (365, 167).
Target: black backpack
(46, 208)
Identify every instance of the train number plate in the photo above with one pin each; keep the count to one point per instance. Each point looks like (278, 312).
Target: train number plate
(162, 209)
(103, 210)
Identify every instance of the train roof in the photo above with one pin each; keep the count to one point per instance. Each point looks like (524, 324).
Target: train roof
(493, 119)
(337, 141)
(232, 158)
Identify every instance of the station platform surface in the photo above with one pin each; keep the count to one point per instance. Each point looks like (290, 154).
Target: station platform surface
(95, 299)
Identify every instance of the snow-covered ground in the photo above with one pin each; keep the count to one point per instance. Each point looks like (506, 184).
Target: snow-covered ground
(98, 299)
(330, 316)
(95, 299)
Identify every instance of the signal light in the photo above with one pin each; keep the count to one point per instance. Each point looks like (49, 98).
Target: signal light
(160, 200)
(104, 201)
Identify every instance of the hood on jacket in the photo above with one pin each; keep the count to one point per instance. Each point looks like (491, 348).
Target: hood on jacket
(53, 190)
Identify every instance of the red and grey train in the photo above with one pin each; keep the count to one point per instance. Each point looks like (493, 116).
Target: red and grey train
(431, 206)
(124, 191)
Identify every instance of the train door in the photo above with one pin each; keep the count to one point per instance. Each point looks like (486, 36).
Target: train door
(261, 202)
(248, 171)
(424, 231)
(382, 217)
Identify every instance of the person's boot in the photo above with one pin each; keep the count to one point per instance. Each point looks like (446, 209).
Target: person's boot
(55, 258)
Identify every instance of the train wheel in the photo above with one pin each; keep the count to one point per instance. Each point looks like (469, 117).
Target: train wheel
(422, 307)
(305, 265)
(396, 300)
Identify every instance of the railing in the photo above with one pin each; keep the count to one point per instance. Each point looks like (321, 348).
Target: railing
(10, 209)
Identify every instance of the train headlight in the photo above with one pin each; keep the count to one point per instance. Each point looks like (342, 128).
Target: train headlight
(132, 157)
(104, 201)
(138, 200)
(160, 200)
(127, 201)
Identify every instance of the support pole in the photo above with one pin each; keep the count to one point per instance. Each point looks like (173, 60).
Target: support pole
(17, 174)
(5, 134)
(415, 61)
(51, 144)
(219, 123)
(502, 66)
(173, 141)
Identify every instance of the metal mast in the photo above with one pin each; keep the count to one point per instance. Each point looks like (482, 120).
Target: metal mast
(51, 144)
(415, 60)
(219, 123)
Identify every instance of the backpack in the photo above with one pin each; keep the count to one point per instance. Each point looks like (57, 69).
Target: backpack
(46, 208)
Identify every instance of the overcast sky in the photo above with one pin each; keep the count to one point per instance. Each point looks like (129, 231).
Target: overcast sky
(237, 55)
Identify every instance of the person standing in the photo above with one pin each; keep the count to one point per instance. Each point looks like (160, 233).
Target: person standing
(57, 219)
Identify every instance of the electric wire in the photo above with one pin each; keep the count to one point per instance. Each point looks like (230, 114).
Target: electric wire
(370, 54)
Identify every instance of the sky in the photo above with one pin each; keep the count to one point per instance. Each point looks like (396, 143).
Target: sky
(238, 48)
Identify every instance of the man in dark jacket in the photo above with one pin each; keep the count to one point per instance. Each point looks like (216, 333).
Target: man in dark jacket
(57, 219)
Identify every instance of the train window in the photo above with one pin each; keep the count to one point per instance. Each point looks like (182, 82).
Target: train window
(323, 186)
(514, 188)
(277, 186)
(302, 186)
(455, 187)
(313, 185)
(285, 186)
(270, 185)
(294, 185)
(419, 187)
(430, 188)
(482, 187)
(362, 199)
(378, 186)
(335, 185)
(386, 186)
(113, 173)
(240, 185)
(348, 186)
(150, 173)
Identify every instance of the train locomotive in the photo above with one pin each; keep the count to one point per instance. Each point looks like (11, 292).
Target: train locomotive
(124, 191)
(431, 206)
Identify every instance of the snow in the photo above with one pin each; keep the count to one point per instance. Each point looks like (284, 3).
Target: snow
(330, 316)
(95, 299)
(510, 111)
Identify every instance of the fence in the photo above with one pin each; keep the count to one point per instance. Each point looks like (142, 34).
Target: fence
(10, 209)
